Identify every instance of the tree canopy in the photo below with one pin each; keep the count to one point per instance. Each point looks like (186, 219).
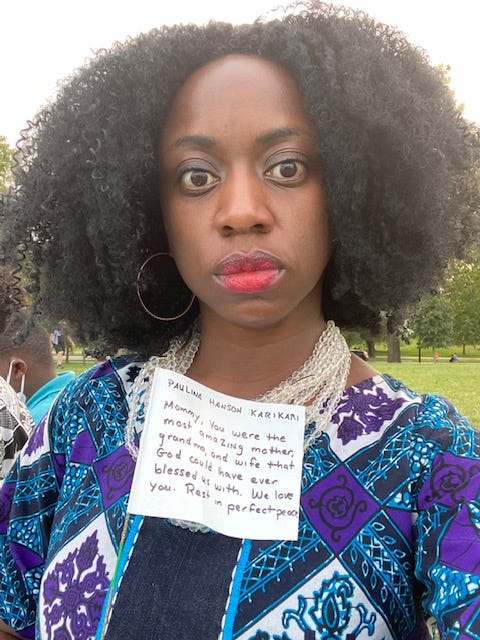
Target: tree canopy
(6, 158)
(462, 290)
(433, 323)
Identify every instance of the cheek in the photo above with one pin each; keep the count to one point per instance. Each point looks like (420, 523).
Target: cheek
(180, 241)
(315, 245)
(323, 226)
(171, 226)
(316, 229)
(169, 213)
(186, 248)
(315, 206)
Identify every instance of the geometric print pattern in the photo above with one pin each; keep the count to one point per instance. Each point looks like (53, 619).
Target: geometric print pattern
(62, 510)
(364, 577)
(389, 528)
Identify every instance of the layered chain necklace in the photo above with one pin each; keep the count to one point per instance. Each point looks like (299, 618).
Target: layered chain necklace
(318, 384)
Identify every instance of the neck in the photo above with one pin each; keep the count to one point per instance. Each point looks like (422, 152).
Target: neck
(315, 380)
(246, 362)
(36, 377)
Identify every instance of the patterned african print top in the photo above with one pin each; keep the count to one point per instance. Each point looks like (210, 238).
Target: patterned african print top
(16, 424)
(389, 528)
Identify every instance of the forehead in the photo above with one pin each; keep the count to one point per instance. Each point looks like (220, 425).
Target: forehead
(234, 88)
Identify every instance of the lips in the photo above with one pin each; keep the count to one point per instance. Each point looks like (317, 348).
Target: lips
(248, 272)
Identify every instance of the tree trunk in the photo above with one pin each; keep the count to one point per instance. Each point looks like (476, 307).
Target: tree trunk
(393, 348)
(371, 349)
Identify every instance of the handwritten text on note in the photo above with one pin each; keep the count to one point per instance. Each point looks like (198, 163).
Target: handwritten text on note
(231, 464)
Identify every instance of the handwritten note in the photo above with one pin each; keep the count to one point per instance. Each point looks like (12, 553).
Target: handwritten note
(233, 465)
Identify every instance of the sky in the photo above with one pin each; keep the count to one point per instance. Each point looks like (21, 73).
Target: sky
(43, 41)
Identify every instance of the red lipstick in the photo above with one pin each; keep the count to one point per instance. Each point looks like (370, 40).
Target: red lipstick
(248, 272)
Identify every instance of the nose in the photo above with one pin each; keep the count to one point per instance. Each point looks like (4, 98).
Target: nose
(243, 206)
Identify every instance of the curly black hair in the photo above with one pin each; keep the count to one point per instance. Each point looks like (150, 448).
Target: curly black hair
(399, 166)
(12, 295)
(7, 298)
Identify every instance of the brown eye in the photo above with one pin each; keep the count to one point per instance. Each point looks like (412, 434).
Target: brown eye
(197, 179)
(288, 170)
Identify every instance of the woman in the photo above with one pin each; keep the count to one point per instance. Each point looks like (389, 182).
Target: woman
(282, 166)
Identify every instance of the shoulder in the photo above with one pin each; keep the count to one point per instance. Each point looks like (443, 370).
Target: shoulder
(116, 373)
(369, 411)
(435, 416)
(96, 402)
(382, 407)
(389, 432)
(430, 410)
(111, 380)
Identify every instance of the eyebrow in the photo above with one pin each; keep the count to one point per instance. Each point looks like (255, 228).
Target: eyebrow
(265, 138)
(282, 132)
(198, 140)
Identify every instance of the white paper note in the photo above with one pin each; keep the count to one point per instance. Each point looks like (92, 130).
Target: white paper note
(233, 465)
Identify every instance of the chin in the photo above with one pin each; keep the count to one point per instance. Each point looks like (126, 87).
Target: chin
(262, 320)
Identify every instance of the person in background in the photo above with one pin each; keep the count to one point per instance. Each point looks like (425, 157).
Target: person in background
(279, 169)
(26, 363)
(60, 340)
(16, 423)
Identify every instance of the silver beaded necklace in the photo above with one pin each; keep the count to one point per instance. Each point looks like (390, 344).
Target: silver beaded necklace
(321, 377)
(318, 383)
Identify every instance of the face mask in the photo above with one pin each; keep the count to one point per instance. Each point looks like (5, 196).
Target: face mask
(20, 393)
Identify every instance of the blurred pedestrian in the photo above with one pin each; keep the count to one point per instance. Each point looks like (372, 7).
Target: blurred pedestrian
(60, 341)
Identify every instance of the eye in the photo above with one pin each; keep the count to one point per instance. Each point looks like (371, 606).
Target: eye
(197, 180)
(287, 171)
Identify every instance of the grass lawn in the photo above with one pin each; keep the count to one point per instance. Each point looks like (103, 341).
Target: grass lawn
(77, 366)
(459, 382)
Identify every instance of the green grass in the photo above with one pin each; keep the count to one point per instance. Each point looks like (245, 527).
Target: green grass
(459, 382)
(77, 366)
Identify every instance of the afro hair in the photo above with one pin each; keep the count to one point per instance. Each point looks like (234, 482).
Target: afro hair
(399, 167)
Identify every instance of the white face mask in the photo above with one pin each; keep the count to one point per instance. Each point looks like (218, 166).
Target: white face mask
(20, 393)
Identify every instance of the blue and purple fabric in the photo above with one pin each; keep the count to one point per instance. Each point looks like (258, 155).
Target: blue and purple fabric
(389, 530)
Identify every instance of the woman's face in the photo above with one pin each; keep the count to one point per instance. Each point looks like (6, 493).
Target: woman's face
(241, 193)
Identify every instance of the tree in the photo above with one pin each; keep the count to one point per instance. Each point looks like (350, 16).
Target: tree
(393, 348)
(462, 288)
(398, 331)
(433, 323)
(6, 159)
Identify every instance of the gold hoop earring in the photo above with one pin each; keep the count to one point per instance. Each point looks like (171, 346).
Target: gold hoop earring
(139, 292)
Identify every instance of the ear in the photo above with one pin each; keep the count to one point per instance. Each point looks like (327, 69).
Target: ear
(19, 369)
